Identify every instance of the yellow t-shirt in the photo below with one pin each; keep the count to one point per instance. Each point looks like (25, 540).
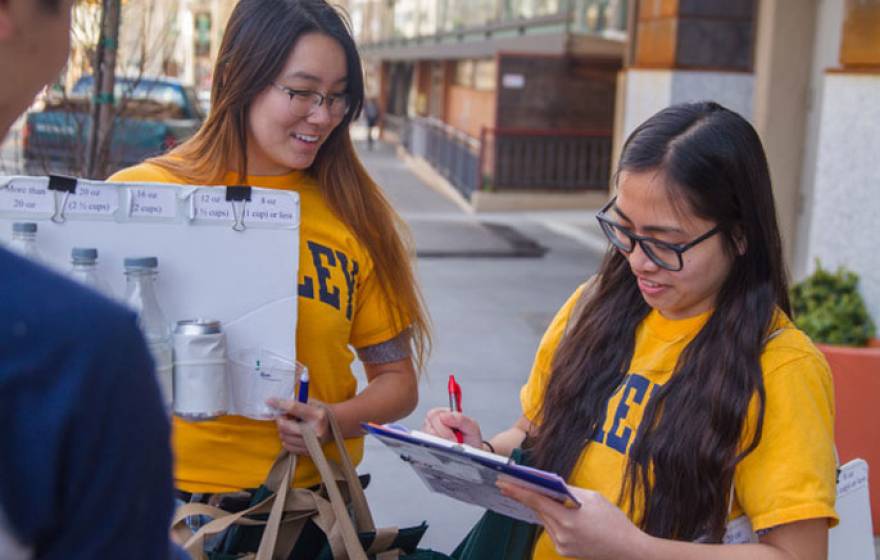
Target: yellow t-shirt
(340, 305)
(789, 477)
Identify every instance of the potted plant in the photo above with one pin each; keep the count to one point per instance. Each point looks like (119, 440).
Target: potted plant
(828, 307)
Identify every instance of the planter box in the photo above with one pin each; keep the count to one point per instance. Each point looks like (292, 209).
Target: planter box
(856, 374)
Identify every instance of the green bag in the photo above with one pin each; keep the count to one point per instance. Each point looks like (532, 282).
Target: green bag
(498, 537)
(284, 522)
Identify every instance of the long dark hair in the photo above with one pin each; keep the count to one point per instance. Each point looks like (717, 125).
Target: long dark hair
(259, 36)
(682, 459)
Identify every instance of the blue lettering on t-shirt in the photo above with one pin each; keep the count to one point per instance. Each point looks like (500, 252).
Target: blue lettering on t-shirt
(319, 255)
(327, 266)
(307, 288)
(637, 386)
(350, 278)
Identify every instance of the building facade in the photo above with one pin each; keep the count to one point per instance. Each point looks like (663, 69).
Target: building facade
(520, 95)
(499, 95)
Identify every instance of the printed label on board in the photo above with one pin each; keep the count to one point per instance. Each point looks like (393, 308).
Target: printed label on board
(263, 208)
(21, 197)
(211, 204)
(853, 477)
(271, 209)
(92, 200)
(152, 202)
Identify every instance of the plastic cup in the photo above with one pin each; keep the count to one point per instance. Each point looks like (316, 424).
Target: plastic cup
(256, 375)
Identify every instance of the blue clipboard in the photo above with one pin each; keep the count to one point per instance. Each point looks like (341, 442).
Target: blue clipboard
(469, 474)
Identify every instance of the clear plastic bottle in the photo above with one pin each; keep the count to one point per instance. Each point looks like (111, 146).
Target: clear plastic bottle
(84, 269)
(140, 295)
(24, 240)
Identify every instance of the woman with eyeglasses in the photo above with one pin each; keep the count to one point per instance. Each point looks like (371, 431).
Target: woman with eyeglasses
(287, 83)
(672, 391)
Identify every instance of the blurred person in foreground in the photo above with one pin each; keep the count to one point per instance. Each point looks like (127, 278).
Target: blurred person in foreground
(85, 462)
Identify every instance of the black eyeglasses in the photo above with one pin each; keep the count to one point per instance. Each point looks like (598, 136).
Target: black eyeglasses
(305, 102)
(663, 254)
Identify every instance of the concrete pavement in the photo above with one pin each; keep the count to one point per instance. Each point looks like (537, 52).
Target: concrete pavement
(488, 312)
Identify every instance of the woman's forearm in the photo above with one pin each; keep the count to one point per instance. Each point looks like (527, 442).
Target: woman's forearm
(505, 442)
(391, 394)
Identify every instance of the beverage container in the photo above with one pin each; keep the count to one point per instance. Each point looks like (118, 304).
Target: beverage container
(24, 240)
(199, 370)
(84, 269)
(256, 374)
(140, 295)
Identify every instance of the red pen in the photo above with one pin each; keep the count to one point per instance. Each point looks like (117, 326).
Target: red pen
(455, 403)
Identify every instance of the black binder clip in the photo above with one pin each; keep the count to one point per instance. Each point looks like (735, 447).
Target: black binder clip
(62, 187)
(238, 196)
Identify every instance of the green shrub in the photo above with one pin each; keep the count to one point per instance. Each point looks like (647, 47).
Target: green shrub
(828, 307)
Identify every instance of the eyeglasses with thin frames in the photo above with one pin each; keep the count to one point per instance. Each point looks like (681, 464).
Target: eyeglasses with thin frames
(663, 254)
(304, 102)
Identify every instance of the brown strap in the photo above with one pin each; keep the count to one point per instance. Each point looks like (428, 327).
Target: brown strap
(196, 544)
(289, 533)
(584, 298)
(362, 516)
(299, 504)
(281, 482)
(343, 522)
(384, 537)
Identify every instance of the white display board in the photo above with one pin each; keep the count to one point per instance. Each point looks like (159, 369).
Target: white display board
(852, 539)
(220, 258)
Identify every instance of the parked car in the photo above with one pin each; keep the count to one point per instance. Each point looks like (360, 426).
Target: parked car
(153, 115)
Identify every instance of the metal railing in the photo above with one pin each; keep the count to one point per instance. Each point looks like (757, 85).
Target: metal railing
(547, 159)
(454, 154)
(511, 159)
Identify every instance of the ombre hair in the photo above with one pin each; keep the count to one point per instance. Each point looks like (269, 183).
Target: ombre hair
(258, 40)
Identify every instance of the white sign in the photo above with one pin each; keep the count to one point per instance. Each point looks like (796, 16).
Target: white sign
(264, 208)
(27, 198)
(210, 204)
(513, 81)
(271, 209)
(89, 200)
(152, 202)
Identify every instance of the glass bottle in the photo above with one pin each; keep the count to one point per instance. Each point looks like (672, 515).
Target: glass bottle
(84, 269)
(24, 240)
(140, 295)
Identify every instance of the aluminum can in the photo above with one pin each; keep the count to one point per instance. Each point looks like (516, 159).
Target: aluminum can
(200, 391)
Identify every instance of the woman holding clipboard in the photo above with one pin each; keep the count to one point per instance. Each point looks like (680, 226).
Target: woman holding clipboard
(673, 390)
(287, 84)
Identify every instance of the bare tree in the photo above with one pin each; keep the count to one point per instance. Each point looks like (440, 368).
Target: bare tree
(145, 43)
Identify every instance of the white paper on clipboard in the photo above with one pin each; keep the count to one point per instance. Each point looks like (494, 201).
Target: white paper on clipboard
(468, 474)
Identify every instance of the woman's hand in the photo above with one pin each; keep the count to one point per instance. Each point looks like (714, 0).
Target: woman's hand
(441, 421)
(598, 529)
(289, 421)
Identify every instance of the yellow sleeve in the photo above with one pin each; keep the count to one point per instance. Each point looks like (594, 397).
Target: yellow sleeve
(375, 318)
(791, 474)
(532, 393)
(143, 173)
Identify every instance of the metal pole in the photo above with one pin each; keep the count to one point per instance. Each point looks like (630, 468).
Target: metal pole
(105, 80)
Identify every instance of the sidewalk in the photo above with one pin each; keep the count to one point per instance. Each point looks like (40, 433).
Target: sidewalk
(490, 301)
(442, 228)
